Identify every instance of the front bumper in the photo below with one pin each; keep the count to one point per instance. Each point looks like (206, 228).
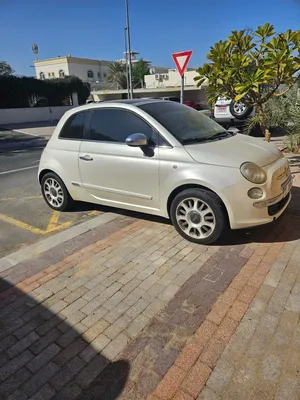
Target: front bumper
(245, 212)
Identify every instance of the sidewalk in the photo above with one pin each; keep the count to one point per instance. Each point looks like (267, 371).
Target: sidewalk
(248, 347)
(23, 136)
(124, 308)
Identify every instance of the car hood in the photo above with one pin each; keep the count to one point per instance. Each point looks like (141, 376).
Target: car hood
(234, 151)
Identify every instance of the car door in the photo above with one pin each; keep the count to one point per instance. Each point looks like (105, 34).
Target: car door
(114, 173)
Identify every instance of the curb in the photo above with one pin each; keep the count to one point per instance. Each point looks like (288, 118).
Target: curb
(36, 249)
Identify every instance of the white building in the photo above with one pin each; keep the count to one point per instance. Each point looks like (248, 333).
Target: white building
(163, 84)
(134, 58)
(170, 79)
(84, 68)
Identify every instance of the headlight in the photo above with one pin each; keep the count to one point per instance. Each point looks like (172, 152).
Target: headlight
(253, 173)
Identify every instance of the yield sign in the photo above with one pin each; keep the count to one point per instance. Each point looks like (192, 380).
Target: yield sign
(181, 60)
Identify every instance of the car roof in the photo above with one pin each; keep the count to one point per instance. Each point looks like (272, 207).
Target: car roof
(132, 102)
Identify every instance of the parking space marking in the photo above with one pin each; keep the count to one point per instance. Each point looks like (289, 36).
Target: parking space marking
(23, 198)
(92, 213)
(52, 225)
(17, 170)
(53, 221)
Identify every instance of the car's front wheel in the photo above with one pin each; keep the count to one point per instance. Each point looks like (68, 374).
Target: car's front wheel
(198, 215)
(55, 192)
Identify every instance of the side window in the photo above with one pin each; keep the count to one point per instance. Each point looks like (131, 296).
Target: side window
(74, 127)
(115, 125)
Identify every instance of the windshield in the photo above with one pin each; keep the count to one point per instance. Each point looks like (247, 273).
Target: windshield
(184, 123)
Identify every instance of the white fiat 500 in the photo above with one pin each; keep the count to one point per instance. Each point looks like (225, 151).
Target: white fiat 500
(163, 158)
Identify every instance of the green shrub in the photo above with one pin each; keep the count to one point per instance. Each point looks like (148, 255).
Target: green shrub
(20, 92)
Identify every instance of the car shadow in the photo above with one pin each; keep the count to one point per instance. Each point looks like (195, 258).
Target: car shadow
(258, 234)
(28, 331)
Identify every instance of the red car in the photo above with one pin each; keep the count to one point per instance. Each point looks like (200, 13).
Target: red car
(190, 103)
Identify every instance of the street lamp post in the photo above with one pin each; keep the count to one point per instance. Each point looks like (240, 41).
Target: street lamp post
(129, 49)
(126, 61)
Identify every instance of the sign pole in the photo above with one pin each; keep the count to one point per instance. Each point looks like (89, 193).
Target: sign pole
(129, 50)
(181, 61)
(182, 89)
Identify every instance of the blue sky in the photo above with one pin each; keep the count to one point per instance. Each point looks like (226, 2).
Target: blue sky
(94, 29)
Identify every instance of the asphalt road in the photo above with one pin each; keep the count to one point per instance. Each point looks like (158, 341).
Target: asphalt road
(24, 216)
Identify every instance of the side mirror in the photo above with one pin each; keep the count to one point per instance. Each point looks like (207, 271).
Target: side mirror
(136, 140)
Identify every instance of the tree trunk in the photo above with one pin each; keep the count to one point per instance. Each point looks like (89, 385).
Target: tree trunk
(262, 123)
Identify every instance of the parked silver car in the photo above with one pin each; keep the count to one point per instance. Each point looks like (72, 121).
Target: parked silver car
(163, 158)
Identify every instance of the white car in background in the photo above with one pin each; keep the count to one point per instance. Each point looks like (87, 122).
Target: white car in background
(226, 110)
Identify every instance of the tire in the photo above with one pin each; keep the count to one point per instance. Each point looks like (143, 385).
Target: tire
(54, 188)
(192, 230)
(239, 110)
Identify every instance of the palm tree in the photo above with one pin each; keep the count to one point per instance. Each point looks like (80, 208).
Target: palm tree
(117, 74)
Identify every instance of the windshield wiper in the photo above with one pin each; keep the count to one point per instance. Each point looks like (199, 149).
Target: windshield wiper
(221, 135)
(215, 136)
(196, 139)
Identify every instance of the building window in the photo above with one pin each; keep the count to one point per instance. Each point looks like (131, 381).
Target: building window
(42, 75)
(51, 75)
(61, 74)
(99, 75)
(105, 74)
(90, 74)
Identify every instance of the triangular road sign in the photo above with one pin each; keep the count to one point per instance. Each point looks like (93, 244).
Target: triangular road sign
(181, 60)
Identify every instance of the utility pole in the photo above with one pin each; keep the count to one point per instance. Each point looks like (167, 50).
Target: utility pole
(129, 49)
(126, 61)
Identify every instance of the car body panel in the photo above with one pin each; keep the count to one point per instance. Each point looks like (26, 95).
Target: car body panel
(120, 174)
(65, 162)
(233, 151)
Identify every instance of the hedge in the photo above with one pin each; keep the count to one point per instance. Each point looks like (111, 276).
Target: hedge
(20, 92)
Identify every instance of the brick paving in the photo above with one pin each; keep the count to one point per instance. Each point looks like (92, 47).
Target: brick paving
(248, 345)
(132, 311)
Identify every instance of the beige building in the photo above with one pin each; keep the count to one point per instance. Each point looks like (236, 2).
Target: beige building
(84, 68)
(170, 79)
(166, 84)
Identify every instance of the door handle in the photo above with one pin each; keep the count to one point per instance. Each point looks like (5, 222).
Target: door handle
(86, 158)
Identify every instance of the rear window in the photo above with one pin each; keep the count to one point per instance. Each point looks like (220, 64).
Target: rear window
(74, 127)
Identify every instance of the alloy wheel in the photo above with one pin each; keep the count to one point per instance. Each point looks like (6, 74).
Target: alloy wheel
(53, 192)
(195, 218)
(239, 107)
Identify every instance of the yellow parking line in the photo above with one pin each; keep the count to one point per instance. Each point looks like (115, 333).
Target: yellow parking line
(93, 213)
(52, 226)
(33, 197)
(21, 224)
(15, 198)
(53, 221)
(8, 198)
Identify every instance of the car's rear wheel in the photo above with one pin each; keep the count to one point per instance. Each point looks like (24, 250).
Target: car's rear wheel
(240, 110)
(55, 192)
(198, 215)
